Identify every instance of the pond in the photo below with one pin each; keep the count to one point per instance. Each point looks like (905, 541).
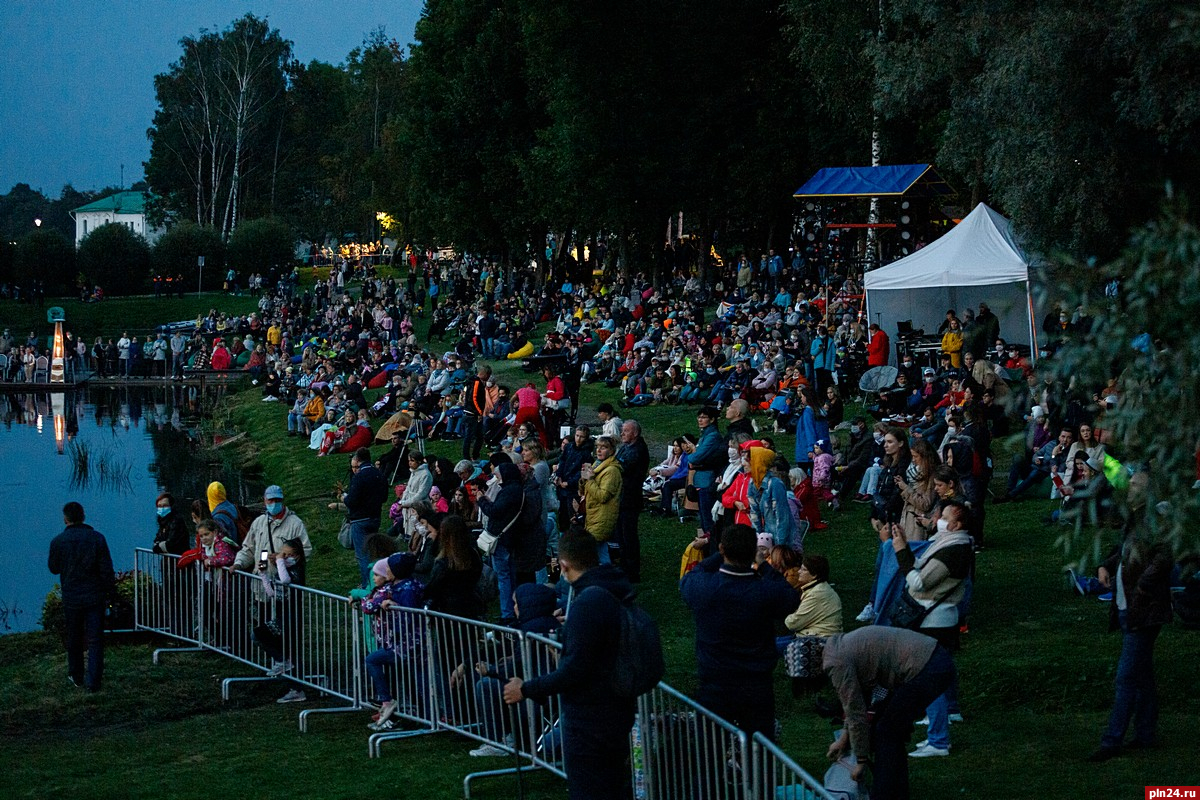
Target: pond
(114, 451)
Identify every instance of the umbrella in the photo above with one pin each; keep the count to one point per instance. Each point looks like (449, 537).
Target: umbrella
(877, 378)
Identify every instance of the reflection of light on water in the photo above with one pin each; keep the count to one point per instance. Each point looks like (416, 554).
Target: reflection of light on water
(39, 423)
(58, 403)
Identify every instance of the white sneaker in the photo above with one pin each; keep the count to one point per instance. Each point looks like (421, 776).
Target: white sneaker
(922, 743)
(867, 614)
(278, 668)
(486, 750)
(294, 696)
(928, 751)
(924, 721)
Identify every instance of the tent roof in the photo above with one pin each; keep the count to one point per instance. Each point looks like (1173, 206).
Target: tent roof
(979, 251)
(887, 181)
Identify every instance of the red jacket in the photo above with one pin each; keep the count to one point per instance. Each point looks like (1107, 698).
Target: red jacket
(877, 350)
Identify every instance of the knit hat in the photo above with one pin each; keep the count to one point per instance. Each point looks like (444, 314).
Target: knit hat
(766, 540)
(381, 569)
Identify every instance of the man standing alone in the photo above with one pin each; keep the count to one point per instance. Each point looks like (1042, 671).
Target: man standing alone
(634, 458)
(80, 555)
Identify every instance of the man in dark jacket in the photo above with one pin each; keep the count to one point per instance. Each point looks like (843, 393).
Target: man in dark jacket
(1139, 575)
(634, 458)
(736, 608)
(574, 455)
(595, 723)
(80, 556)
(363, 501)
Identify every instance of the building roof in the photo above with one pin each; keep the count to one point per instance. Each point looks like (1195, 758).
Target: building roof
(119, 203)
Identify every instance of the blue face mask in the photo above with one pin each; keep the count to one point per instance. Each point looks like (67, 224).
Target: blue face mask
(162, 512)
(275, 508)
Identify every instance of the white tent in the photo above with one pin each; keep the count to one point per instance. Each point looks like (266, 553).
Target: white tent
(978, 261)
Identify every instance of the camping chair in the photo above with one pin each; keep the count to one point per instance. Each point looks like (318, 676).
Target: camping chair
(41, 367)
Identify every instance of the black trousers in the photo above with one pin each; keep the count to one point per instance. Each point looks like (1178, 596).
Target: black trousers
(85, 630)
(894, 725)
(625, 536)
(748, 702)
(596, 750)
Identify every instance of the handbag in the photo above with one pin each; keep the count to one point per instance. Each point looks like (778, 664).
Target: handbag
(802, 658)
(908, 612)
(488, 541)
(345, 537)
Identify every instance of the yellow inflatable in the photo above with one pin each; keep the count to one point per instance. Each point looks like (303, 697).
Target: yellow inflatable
(524, 352)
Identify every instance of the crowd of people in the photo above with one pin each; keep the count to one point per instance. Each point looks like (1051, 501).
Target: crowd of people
(769, 351)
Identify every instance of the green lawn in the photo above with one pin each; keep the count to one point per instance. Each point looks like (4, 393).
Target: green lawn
(1036, 674)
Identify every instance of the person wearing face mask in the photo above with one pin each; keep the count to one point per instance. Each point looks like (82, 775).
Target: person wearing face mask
(938, 580)
(276, 525)
(172, 536)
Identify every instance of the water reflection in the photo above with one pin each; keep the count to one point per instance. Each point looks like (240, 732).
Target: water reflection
(113, 450)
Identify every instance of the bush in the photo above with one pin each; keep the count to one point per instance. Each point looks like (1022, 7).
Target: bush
(259, 244)
(116, 258)
(118, 616)
(176, 252)
(46, 254)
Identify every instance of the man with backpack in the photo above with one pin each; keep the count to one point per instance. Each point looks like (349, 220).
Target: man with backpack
(736, 605)
(610, 655)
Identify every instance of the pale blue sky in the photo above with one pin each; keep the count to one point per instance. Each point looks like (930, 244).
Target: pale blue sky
(76, 77)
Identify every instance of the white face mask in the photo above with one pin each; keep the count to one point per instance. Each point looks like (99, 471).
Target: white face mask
(734, 455)
(942, 525)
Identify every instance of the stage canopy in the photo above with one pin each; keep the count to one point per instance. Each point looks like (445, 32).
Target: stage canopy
(977, 260)
(890, 181)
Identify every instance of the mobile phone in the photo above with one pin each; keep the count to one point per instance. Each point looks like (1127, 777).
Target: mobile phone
(262, 557)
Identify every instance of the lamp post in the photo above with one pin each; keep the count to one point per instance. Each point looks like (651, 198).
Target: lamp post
(37, 222)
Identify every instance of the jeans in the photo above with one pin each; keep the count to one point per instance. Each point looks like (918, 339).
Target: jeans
(360, 529)
(602, 553)
(1136, 695)
(85, 629)
(668, 492)
(870, 480)
(472, 440)
(376, 661)
(894, 726)
(1018, 483)
(506, 580)
(704, 496)
(294, 422)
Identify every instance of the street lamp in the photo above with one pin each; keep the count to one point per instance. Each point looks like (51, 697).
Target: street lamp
(37, 223)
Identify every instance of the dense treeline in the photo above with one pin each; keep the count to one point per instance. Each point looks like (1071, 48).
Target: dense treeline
(512, 120)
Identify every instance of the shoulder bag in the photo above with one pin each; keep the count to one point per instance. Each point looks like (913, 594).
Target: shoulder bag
(488, 541)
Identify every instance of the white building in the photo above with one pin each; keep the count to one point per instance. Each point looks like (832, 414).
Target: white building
(123, 208)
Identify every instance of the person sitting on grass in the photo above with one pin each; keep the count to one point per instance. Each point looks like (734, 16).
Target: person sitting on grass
(820, 609)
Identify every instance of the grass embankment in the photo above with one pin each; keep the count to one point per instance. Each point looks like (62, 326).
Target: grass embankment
(1036, 674)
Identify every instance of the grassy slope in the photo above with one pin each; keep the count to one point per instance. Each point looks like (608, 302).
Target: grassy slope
(1036, 676)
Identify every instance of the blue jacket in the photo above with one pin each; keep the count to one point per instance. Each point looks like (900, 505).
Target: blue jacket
(80, 556)
(709, 457)
(823, 352)
(736, 612)
(770, 512)
(809, 428)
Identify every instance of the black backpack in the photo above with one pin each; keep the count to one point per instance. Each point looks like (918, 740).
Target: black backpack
(640, 664)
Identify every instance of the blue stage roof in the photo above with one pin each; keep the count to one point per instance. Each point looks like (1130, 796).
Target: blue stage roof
(887, 181)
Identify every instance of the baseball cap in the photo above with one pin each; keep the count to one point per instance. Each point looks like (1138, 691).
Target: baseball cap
(273, 492)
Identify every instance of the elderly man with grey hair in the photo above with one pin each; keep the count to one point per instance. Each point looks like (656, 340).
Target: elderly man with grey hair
(634, 458)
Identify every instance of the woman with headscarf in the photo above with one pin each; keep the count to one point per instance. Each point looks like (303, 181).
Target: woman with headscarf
(223, 512)
(768, 495)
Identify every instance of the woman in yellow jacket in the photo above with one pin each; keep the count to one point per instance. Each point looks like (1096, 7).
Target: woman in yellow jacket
(820, 611)
(602, 494)
(952, 343)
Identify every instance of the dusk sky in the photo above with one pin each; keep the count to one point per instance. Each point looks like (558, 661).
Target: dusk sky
(77, 78)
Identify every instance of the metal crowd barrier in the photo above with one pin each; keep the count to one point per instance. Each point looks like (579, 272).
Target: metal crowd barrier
(165, 600)
(686, 751)
(777, 776)
(447, 674)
